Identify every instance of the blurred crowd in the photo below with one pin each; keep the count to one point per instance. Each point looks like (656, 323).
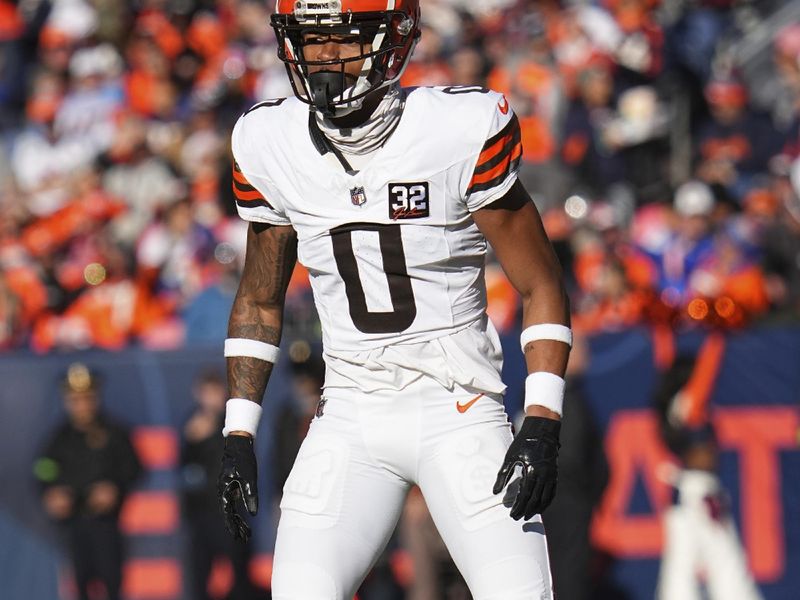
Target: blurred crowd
(661, 145)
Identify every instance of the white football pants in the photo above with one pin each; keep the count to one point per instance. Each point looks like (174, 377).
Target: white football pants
(698, 546)
(346, 491)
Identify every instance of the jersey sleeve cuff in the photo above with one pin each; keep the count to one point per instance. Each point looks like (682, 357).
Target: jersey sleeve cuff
(259, 216)
(478, 201)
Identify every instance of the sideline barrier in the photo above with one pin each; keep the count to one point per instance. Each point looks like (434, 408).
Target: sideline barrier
(755, 410)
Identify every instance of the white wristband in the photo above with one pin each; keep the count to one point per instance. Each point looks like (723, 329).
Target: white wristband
(546, 331)
(545, 389)
(241, 415)
(251, 348)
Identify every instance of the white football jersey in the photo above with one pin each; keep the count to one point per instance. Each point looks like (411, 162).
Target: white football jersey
(392, 251)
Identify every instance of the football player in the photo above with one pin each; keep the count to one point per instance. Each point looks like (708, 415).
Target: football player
(702, 556)
(389, 196)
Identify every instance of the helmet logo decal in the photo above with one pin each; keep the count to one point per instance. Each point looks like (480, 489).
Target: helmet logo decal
(308, 10)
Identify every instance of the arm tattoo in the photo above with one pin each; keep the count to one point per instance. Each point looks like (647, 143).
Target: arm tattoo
(257, 312)
(247, 377)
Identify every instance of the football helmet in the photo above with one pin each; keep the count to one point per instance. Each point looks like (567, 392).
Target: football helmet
(388, 30)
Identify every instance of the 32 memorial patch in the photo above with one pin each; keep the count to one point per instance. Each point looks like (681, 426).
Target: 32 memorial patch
(409, 200)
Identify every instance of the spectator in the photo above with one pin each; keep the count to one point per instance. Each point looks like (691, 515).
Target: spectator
(205, 314)
(781, 246)
(639, 50)
(688, 245)
(728, 288)
(171, 252)
(12, 68)
(585, 149)
(10, 315)
(428, 66)
(96, 95)
(734, 143)
(528, 76)
(615, 278)
(136, 104)
(44, 162)
(785, 87)
(85, 471)
(144, 181)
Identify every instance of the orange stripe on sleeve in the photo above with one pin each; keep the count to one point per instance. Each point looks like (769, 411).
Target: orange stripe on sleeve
(239, 176)
(247, 196)
(492, 151)
(493, 146)
(501, 168)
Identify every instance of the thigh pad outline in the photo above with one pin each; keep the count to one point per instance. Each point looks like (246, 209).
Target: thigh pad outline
(313, 492)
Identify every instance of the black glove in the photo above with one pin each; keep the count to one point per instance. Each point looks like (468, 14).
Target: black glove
(535, 449)
(237, 480)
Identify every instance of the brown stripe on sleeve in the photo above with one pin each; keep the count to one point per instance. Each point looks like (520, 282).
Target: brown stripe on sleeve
(500, 155)
(246, 195)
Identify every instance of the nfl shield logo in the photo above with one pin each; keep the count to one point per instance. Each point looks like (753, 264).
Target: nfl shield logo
(357, 196)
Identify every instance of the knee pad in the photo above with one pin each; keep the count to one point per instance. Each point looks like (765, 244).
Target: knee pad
(302, 581)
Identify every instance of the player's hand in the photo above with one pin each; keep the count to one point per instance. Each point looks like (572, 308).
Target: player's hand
(535, 450)
(237, 480)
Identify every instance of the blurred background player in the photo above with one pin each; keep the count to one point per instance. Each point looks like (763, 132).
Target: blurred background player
(200, 457)
(85, 471)
(582, 478)
(702, 555)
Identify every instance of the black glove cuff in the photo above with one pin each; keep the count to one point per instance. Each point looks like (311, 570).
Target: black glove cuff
(541, 428)
(238, 444)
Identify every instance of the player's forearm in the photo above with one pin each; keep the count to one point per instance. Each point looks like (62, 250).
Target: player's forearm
(254, 327)
(248, 376)
(546, 301)
(514, 229)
